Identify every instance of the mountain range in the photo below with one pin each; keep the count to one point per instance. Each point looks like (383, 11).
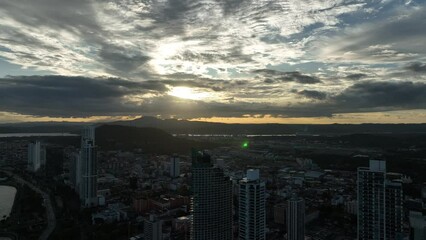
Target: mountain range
(175, 126)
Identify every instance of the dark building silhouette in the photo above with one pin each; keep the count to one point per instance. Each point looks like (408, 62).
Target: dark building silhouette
(54, 161)
(211, 203)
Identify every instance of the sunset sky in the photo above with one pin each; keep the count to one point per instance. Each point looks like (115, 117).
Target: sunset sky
(248, 61)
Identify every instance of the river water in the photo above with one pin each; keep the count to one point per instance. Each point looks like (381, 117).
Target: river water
(7, 197)
(6, 135)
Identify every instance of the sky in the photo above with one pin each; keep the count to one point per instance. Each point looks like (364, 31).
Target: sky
(246, 61)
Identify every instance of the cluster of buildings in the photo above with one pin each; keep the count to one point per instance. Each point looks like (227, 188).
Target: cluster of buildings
(201, 197)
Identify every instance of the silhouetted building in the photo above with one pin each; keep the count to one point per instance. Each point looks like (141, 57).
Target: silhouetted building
(153, 228)
(296, 218)
(379, 203)
(252, 213)
(417, 225)
(133, 182)
(174, 166)
(75, 171)
(280, 213)
(211, 203)
(54, 161)
(88, 164)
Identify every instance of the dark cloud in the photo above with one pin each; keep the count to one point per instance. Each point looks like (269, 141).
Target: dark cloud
(356, 76)
(61, 96)
(121, 59)
(367, 97)
(382, 95)
(312, 94)
(363, 97)
(270, 76)
(416, 67)
(77, 16)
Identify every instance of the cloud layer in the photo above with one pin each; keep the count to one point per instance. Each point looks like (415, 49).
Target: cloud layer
(285, 58)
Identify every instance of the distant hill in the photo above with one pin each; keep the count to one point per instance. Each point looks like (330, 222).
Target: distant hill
(116, 137)
(42, 127)
(175, 126)
(195, 127)
(150, 140)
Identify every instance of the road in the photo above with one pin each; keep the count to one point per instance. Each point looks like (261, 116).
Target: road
(51, 218)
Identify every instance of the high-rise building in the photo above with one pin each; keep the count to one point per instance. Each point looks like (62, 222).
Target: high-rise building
(174, 166)
(211, 203)
(379, 203)
(252, 213)
(280, 215)
(394, 212)
(88, 166)
(75, 171)
(153, 228)
(295, 218)
(35, 155)
(54, 161)
(417, 225)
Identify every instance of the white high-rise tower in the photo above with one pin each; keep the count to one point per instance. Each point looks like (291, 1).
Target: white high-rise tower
(36, 156)
(88, 165)
(252, 214)
(379, 203)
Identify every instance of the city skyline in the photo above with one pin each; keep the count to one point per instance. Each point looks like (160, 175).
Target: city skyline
(223, 61)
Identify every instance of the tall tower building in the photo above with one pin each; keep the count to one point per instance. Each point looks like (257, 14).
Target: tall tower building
(174, 166)
(153, 228)
(211, 203)
(88, 165)
(75, 171)
(34, 156)
(394, 212)
(296, 218)
(379, 203)
(252, 213)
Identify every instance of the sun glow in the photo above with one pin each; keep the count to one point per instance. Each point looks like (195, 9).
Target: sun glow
(187, 93)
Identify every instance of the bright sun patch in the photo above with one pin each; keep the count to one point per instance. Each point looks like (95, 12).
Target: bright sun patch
(187, 93)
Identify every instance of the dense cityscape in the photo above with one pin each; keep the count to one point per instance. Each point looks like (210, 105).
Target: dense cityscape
(212, 120)
(240, 188)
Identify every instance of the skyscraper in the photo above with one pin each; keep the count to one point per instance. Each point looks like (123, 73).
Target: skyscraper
(211, 203)
(174, 166)
(296, 218)
(394, 212)
(252, 214)
(54, 161)
(88, 164)
(379, 203)
(34, 156)
(75, 171)
(153, 228)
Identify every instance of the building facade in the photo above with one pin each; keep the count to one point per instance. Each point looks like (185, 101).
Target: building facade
(380, 209)
(211, 203)
(36, 156)
(88, 165)
(153, 228)
(296, 218)
(252, 212)
(174, 166)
